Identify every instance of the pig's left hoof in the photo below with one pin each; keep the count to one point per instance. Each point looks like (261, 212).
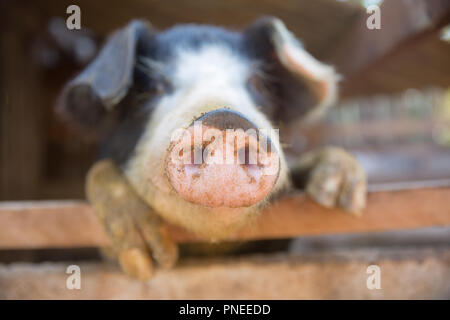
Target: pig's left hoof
(337, 180)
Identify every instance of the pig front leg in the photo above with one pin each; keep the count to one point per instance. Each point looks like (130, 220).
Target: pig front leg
(137, 233)
(333, 178)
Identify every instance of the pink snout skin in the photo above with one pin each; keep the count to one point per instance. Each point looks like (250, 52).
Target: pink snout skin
(223, 172)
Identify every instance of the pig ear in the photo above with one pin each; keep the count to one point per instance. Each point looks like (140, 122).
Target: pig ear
(103, 84)
(308, 85)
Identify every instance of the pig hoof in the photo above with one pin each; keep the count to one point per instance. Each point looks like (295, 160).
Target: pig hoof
(136, 263)
(138, 236)
(338, 180)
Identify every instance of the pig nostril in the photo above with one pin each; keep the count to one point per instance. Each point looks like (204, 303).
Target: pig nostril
(198, 155)
(247, 156)
(243, 155)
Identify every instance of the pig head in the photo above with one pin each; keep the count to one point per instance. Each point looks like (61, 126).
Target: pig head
(151, 91)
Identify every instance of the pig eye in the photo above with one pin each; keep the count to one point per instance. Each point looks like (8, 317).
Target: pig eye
(247, 156)
(256, 83)
(154, 86)
(148, 84)
(262, 82)
(263, 90)
(150, 78)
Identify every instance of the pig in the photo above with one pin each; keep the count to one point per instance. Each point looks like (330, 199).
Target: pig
(145, 85)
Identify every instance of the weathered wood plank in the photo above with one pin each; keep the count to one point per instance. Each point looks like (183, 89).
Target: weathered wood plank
(73, 224)
(405, 274)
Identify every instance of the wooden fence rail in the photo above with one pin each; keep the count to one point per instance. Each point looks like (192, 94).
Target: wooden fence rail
(64, 224)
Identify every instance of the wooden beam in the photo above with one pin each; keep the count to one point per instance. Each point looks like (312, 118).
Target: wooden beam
(401, 21)
(59, 224)
(414, 273)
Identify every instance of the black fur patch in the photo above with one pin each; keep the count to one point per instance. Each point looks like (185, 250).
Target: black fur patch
(280, 94)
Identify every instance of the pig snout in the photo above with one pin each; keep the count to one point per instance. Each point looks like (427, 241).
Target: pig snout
(222, 160)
